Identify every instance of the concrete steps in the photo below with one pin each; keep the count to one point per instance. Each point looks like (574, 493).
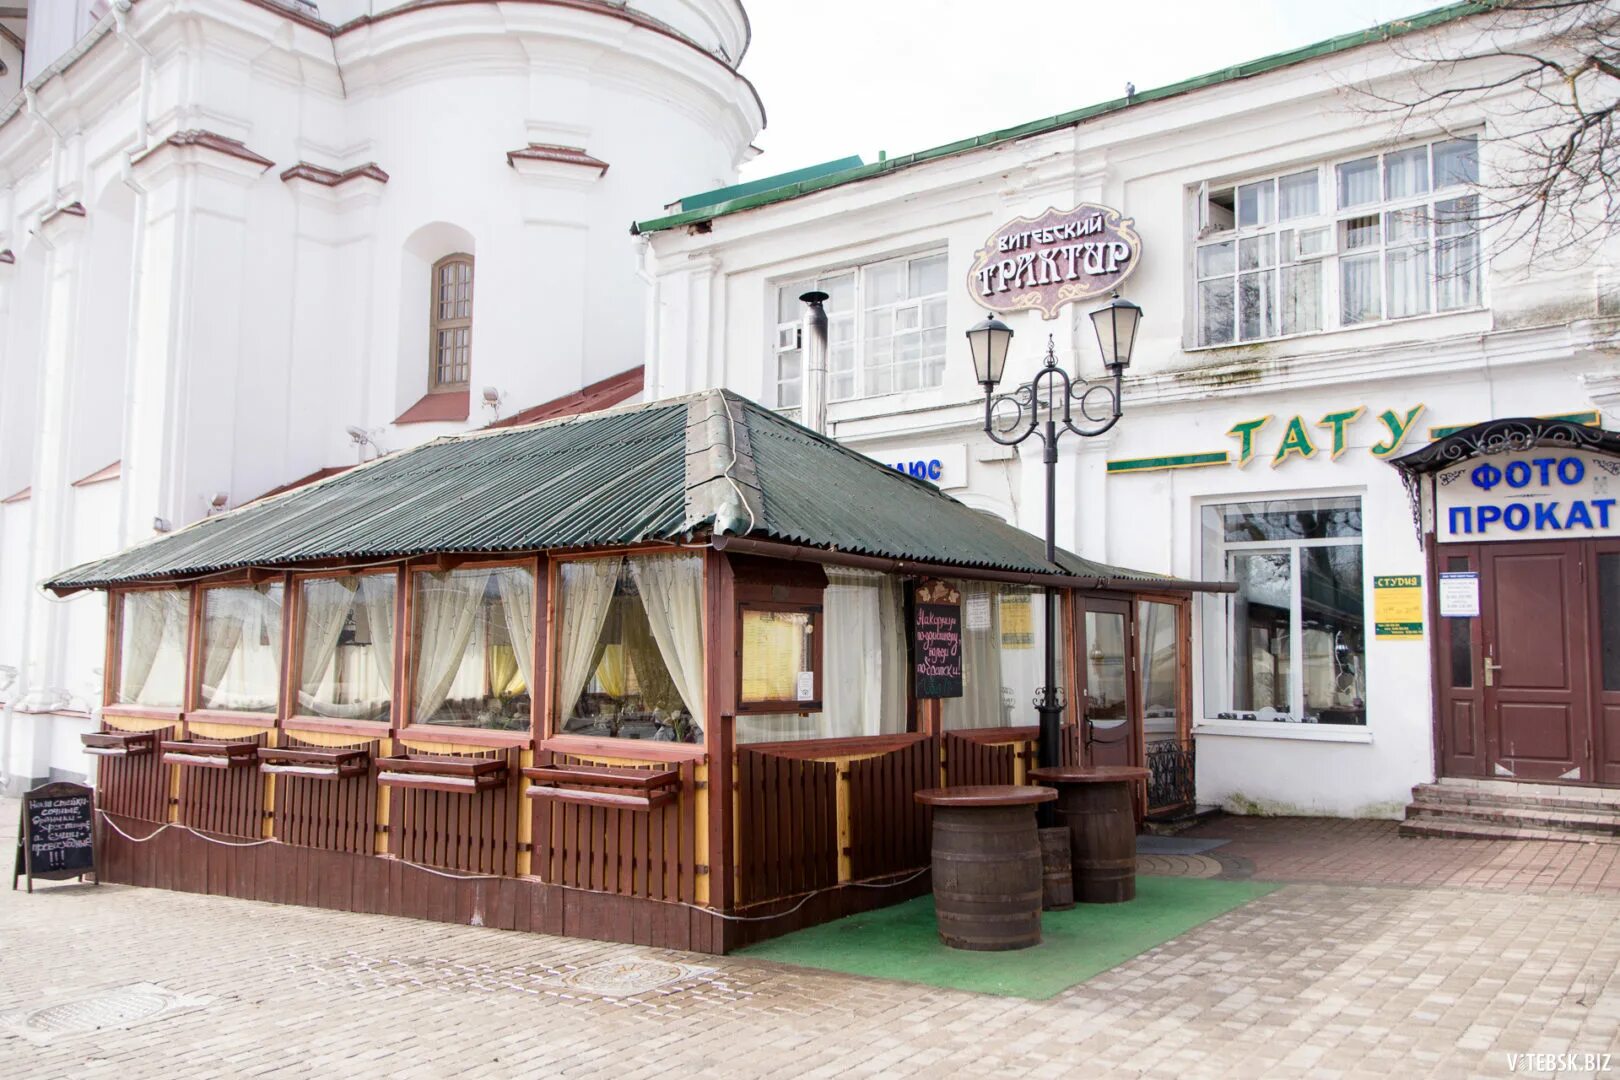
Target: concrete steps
(1504, 810)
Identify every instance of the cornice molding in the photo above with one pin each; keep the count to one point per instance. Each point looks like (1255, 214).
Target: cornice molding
(331, 178)
(194, 145)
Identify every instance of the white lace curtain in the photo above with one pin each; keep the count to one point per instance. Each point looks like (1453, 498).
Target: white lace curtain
(447, 606)
(242, 648)
(327, 605)
(671, 588)
(154, 626)
(863, 655)
(587, 596)
(981, 702)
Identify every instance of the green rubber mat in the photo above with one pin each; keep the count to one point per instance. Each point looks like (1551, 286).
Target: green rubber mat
(902, 942)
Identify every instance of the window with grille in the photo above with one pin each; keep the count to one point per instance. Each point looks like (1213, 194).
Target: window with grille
(885, 329)
(1381, 236)
(450, 360)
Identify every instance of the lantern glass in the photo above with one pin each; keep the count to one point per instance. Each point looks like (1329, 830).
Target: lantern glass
(1116, 332)
(989, 342)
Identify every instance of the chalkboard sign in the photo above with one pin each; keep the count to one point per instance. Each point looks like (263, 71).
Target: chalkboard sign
(56, 839)
(936, 640)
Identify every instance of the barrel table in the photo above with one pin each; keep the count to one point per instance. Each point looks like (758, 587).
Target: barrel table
(1095, 802)
(987, 865)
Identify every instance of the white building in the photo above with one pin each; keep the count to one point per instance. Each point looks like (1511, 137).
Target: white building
(1314, 308)
(238, 243)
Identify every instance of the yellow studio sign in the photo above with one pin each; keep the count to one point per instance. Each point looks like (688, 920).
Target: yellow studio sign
(1398, 607)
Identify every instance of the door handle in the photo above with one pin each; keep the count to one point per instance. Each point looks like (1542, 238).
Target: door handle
(1491, 668)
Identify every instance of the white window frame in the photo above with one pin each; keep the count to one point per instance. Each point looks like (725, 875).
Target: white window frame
(786, 335)
(1330, 217)
(1215, 616)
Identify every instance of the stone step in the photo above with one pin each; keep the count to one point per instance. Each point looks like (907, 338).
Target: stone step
(1462, 829)
(1530, 817)
(1598, 800)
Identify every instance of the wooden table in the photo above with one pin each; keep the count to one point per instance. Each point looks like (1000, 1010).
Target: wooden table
(1095, 802)
(987, 865)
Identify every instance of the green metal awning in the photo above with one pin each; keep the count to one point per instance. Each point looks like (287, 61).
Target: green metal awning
(679, 470)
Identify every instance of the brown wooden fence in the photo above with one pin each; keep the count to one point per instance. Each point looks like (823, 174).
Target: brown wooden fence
(969, 761)
(475, 831)
(135, 787)
(329, 814)
(787, 826)
(649, 853)
(889, 831)
(227, 802)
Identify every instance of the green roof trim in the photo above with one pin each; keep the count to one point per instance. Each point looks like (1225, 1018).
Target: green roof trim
(679, 470)
(1355, 39)
(766, 183)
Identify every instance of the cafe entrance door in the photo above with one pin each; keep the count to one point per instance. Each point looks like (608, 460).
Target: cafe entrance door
(1134, 692)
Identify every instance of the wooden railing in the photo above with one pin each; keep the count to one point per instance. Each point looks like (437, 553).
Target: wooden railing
(787, 825)
(888, 828)
(474, 831)
(332, 814)
(625, 844)
(973, 760)
(224, 801)
(136, 786)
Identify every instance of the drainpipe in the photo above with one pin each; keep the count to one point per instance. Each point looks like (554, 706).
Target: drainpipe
(31, 103)
(813, 414)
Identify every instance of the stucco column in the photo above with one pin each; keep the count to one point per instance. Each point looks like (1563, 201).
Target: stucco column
(41, 685)
(180, 424)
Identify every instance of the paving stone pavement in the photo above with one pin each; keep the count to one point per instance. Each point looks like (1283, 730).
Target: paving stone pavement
(1331, 980)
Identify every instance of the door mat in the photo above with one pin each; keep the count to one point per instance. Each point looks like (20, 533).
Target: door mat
(902, 942)
(1148, 844)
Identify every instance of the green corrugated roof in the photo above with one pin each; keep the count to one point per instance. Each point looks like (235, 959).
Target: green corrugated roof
(1383, 32)
(766, 183)
(666, 470)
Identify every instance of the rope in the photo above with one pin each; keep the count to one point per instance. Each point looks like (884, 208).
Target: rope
(271, 840)
(913, 876)
(812, 895)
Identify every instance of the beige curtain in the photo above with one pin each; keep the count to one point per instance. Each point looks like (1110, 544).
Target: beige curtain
(610, 671)
(587, 595)
(980, 705)
(448, 604)
(327, 604)
(671, 589)
(656, 684)
(517, 601)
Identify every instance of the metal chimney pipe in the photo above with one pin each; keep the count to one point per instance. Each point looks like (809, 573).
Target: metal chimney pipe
(813, 413)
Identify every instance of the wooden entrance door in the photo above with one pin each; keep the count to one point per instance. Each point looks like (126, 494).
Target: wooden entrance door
(1537, 691)
(1459, 648)
(1107, 736)
(1604, 578)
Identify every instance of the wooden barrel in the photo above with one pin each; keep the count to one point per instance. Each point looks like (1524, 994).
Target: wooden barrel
(1102, 825)
(987, 877)
(1057, 875)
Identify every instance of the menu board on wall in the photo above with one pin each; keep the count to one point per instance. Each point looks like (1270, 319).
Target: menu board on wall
(936, 640)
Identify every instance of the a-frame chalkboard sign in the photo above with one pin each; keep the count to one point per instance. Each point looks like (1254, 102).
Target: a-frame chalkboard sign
(56, 839)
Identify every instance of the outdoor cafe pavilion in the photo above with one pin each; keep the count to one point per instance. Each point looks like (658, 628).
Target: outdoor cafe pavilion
(500, 678)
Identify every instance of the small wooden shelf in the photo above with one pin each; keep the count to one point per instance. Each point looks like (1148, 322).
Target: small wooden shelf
(604, 785)
(209, 755)
(464, 775)
(118, 743)
(337, 764)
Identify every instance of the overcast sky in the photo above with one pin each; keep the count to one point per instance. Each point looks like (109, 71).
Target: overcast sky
(842, 77)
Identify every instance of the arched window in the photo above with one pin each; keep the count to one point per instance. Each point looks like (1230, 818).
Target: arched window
(450, 348)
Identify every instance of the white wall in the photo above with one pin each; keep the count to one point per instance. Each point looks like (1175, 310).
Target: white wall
(216, 328)
(1538, 345)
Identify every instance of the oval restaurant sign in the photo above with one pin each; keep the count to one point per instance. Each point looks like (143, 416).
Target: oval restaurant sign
(1059, 258)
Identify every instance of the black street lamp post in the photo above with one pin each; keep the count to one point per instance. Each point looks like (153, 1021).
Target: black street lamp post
(1051, 400)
